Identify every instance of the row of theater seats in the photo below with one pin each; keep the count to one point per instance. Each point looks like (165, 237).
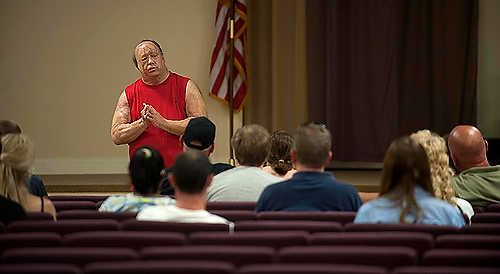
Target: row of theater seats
(382, 251)
(70, 202)
(419, 241)
(240, 215)
(77, 225)
(87, 241)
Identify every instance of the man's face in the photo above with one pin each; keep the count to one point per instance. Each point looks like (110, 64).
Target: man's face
(149, 59)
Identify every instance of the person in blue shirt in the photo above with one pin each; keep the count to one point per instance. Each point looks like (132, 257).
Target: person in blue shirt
(310, 188)
(406, 193)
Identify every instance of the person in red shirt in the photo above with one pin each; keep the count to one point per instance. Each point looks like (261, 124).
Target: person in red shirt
(155, 109)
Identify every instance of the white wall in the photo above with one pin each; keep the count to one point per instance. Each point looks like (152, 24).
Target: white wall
(64, 63)
(488, 114)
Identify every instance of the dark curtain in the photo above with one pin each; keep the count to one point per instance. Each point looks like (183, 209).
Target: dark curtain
(381, 69)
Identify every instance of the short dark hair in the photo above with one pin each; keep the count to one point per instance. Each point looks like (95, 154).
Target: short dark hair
(145, 170)
(145, 40)
(313, 143)
(191, 170)
(251, 144)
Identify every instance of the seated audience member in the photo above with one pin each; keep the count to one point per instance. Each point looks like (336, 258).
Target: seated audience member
(441, 173)
(279, 162)
(406, 194)
(35, 184)
(477, 181)
(246, 181)
(11, 211)
(191, 176)
(145, 170)
(310, 188)
(199, 135)
(16, 159)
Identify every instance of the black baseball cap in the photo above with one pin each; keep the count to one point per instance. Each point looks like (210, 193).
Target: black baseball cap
(201, 130)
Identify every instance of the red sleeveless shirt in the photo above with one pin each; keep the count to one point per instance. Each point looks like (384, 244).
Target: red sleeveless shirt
(169, 99)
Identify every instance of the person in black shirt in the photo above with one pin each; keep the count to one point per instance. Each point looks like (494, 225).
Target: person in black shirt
(199, 135)
(11, 211)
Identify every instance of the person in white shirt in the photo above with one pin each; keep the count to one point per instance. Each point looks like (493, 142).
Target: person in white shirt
(191, 177)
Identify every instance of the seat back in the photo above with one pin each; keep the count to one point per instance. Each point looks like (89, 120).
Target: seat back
(416, 240)
(67, 255)
(357, 255)
(64, 226)
(310, 269)
(135, 225)
(72, 205)
(310, 226)
(39, 216)
(433, 229)
(465, 241)
(160, 267)
(276, 239)
(487, 217)
(236, 215)
(329, 216)
(237, 255)
(29, 239)
(129, 239)
(444, 270)
(231, 206)
(45, 268)
(462, 257)
(94, 214)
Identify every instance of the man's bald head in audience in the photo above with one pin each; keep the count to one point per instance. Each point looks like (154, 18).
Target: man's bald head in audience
(467, 147)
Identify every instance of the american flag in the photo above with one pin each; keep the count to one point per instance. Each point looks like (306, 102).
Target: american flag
(219, 65)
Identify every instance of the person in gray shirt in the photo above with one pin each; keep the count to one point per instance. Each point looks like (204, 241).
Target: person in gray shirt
(245, 182)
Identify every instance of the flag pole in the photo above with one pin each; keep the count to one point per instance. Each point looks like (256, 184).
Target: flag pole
(231, 80)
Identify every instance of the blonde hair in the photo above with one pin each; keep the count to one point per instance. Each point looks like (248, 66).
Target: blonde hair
(16, 160)
(441, 173)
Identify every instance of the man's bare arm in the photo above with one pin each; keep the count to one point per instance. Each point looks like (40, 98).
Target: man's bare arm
(195, 107)
(122, 130)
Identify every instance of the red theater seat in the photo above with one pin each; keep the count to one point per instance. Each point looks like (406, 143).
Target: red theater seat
(92, 198)
(487, 217)
(64, 226)
(445, 270)
(67, 255)
(94, 214)
(72, 205)
(39, 216)
(310, 269)
(231, 206)
(416, 240)
(237, 255)
(236, 215)
(160, 267)
(465, 241)
(310, 226)
(29, 239)
(492, 229)
(462, 257)
(493, 208)
(130, 239)
(433, 229)
(356, 255)
(135, 225)
(274, 239)
(39, 269)
(329, 216)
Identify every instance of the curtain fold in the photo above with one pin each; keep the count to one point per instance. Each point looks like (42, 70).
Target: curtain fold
(381, 69)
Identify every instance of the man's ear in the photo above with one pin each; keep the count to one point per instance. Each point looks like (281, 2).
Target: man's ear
(171, 179)
(293, 154)
(210, 177)
(330, 156)
(486, 144)
(212, 148)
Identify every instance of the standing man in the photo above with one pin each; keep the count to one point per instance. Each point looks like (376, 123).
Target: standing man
(155, 109)
(477, 181)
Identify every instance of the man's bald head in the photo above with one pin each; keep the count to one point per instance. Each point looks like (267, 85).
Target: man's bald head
(467, 147)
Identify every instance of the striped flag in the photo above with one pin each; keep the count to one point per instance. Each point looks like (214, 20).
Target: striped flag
(219, 65)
